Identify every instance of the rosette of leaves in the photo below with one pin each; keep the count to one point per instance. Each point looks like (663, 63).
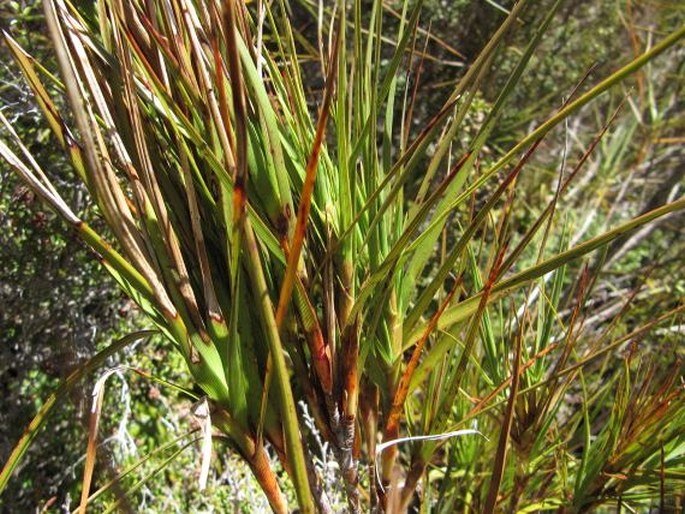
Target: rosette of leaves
(265, 229)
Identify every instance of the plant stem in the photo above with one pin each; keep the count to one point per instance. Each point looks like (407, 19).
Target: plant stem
(294, 447)
(256, 458)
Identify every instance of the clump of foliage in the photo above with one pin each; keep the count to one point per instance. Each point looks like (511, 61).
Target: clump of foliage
(316, 244)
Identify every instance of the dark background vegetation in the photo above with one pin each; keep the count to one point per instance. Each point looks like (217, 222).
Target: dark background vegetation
(56, 305)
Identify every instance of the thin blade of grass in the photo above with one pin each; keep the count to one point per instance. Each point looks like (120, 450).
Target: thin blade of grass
(116, 481)
(27, 64)
(60, 395)
(501, 454)
(392, 423)
(287, 403)
(466, 308)
(295, 247)
(91, 449)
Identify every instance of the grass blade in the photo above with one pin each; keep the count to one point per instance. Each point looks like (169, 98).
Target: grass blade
(60, 395)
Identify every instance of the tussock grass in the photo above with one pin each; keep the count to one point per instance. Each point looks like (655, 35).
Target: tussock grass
(313, 244)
